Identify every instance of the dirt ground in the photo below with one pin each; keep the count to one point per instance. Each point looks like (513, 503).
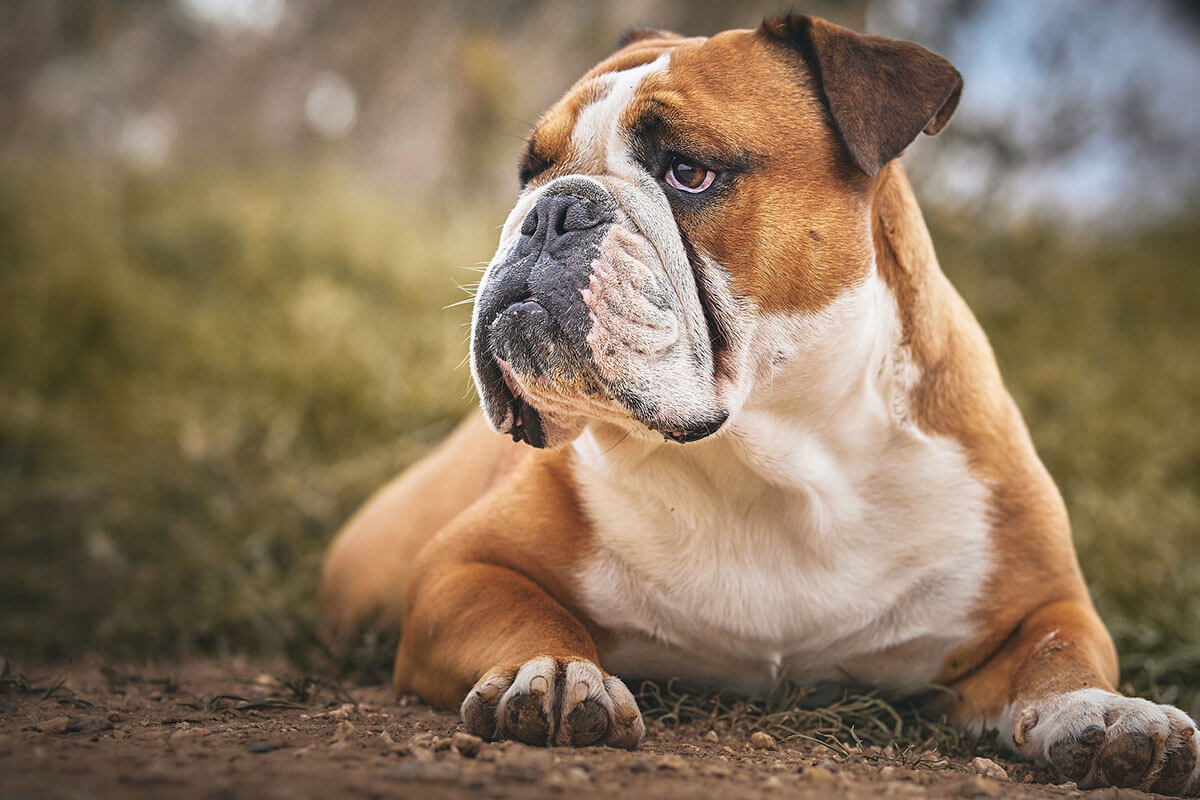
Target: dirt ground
(236, 729)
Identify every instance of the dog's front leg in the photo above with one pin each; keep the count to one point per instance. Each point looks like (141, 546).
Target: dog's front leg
(527, 666)
(1051, 687)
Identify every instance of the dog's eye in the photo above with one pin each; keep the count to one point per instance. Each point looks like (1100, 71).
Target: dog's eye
(688, 177)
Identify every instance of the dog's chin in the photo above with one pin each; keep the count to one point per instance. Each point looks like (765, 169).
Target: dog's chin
(543, 414)
(543, 429)
(549, 424)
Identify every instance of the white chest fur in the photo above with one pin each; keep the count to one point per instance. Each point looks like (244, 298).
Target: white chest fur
(821, 534)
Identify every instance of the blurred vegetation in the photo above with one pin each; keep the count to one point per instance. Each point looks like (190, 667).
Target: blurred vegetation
(1097, 338)
(204, 371)
(200, 375)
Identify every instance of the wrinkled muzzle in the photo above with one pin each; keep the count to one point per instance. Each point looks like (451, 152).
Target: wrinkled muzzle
(581, 317)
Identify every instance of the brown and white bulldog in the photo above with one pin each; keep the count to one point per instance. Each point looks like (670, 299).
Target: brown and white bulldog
(768, 436)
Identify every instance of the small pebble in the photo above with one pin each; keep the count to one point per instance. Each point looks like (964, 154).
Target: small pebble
(53, 725)
(344, 732)
(89, 723)
(763, 741)
(818, 775)
(772, 783)
(988, 768)
(264, 746)
(466, 744)
(711, 736)
(343, 712)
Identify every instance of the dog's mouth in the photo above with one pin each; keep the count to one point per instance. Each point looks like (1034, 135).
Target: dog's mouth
(526, 421)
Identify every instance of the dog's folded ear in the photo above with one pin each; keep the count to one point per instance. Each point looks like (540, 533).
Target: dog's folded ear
(634, 35)
(880, 92)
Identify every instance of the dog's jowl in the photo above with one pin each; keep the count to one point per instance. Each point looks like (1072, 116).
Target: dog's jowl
(752, 431)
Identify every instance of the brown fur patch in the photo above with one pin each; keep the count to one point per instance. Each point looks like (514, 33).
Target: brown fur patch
(1036, 585)
(495, 586)
(760, 230)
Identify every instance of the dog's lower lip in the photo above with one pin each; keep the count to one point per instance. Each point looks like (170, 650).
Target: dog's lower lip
(527, 425)
(695, 432)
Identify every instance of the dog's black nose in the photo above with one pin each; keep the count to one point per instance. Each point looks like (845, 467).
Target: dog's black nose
(556, 217)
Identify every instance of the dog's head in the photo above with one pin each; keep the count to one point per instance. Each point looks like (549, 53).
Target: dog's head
(683, 192)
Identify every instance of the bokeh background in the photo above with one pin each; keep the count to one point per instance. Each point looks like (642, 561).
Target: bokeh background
(233, 234)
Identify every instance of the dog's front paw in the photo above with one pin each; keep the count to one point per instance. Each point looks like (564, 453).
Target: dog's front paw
(554, 701)
(1097, 738)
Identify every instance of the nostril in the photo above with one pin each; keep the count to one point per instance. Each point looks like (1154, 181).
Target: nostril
(529, 226)
(580, 216)
(555, 216)
(561, 214)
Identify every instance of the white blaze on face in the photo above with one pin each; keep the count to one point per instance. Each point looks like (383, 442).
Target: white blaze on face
(649, 334)
(597, 128)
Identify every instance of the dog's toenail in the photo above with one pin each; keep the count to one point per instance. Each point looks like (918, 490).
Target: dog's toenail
(626, 714)
(1025, 723)
(539, 685)
(488, 692)
(580, 693)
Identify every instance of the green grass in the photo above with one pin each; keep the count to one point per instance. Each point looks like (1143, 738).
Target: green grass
(203, 372)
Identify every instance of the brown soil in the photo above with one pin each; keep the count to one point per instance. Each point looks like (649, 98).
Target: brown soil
(233, 729)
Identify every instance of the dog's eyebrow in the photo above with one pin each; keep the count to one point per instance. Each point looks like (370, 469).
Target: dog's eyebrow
(656, 124)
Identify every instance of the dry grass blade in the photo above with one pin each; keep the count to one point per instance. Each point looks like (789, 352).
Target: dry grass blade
(225, 702)
(854, 724)
(56, 689)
